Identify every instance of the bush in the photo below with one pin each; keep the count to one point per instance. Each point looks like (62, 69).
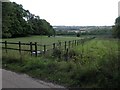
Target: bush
(72, 53)
(78, 34)
(57, 53)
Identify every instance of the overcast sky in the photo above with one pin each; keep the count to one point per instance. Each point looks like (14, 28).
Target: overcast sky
(74, 12)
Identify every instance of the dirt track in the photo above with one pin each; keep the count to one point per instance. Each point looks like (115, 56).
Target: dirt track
(14, 80)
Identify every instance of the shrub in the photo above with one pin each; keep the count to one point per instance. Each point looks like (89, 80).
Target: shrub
(78, 34)
(57, 53)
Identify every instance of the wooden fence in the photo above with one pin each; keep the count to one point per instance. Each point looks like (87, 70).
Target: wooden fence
(34, 46)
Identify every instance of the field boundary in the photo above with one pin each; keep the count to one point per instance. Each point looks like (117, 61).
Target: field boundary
(33, 46)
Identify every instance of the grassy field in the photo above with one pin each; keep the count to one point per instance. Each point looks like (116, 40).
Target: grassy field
(94, 64)
(42, 39)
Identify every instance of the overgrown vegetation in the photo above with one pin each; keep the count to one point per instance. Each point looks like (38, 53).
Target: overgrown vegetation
(94, 64)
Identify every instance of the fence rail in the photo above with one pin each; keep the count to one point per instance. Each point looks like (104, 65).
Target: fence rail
(36, 48)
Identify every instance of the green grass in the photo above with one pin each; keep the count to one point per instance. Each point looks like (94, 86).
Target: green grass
(95, 64)
(42, 39)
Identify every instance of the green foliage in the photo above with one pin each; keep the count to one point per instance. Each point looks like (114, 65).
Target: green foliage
(72, 53)
(98, 68)
(78, 34)
(19, 22)
(99, 31)
(116, 28)
(57, 53)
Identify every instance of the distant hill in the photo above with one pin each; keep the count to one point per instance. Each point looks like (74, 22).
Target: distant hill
(86, 28)
(83, 30)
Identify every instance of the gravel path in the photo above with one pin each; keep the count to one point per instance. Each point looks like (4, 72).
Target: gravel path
(15, 80)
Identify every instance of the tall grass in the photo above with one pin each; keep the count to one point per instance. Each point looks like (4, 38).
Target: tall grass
(94, 64)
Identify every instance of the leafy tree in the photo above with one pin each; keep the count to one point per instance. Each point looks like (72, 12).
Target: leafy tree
(116, 28)
(19, 22)
(7, 11)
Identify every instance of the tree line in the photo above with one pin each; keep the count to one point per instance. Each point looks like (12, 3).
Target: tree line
(105, 31)
(116, 28)
(18, 22)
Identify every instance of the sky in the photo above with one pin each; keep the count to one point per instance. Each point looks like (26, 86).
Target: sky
(74, 12)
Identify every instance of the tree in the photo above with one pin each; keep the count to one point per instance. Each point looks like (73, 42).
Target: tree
(116, 28)
(7, 10)
(78, 34)
(19, 22)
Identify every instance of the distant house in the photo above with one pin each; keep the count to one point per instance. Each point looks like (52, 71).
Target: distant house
(54, 27)
(76, 31)
(82, 31)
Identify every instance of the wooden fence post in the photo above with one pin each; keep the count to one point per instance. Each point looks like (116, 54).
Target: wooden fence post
(44, 49)
(36, 49)
(75, 42)
(31, 50)
(82, 42)
(78, 42)
(65, 45)
(66, 55)
(53, 46)
(59, 45)
(6, 46)
(20, 47)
